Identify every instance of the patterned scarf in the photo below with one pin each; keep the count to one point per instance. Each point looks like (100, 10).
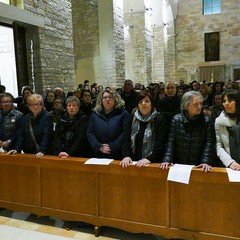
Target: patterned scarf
(148, 138)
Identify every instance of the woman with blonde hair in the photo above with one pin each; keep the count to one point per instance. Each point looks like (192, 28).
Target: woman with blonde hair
(36, 130)
(106, 123)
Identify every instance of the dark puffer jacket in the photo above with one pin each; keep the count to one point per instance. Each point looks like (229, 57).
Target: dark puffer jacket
(190, 141)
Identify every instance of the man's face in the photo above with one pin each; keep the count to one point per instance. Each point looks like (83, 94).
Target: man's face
(170, 90)
(87, 97)
(128, 86)
(218, 100)
(6, 104)
(196, 86)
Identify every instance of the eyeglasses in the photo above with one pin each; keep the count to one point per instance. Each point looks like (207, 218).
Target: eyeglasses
(34, 105)
(107, 98)
(7, 102)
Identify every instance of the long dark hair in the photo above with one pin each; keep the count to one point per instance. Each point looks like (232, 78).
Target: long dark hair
(233, 94)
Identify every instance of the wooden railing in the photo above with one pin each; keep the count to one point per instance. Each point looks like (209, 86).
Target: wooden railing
(132, 199)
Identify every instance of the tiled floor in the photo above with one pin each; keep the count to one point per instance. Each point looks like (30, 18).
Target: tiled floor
(25, 226)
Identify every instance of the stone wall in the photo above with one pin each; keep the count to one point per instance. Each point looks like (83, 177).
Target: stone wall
(190, 27)
(119, 45)
(86, 39)
(51, 47)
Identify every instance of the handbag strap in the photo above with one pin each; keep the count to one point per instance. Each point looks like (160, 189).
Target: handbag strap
(32, 134)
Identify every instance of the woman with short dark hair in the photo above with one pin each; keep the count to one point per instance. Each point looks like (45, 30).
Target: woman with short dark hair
(70, 139)
(145, 133)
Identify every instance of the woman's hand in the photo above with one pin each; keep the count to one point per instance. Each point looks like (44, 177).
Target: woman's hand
(39, 155)
(126, 162)
(105, 149)
(63, 155)
(165, 165)
(12, 152)
(205, 167)
(5, 144)
(143, 162)
(235, 166)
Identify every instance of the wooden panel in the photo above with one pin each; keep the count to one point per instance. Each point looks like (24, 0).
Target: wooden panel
(69, 190)
(133, 197)
(206, 206)
(19, 184)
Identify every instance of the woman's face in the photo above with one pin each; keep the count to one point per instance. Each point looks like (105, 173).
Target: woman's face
(229, 105)
(218, 87)
(194, 106)
(50, 97)
(35, 106)
(72, 109)
(180, 92)
(26, 94)
(57, 104)
(145, 106)
(108, 101)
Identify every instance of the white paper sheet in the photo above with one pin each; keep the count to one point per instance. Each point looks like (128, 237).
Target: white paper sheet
(233, 175)
(180, 173)
(1, 150)
(99, 161)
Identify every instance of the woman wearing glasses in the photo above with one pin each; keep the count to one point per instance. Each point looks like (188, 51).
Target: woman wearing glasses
(145, 134)
(105, 126)
(36, 130)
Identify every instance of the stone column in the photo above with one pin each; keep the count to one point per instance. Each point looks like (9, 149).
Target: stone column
(136, 44)
(110, 16)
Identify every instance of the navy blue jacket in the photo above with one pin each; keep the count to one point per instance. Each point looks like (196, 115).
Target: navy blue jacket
(107, 128)
(42, 129)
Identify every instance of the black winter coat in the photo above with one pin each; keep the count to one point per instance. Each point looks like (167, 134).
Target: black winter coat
(190, 141)
(160, 128)
(70, 136)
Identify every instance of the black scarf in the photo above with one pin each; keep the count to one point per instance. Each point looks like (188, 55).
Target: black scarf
(234, 142)
(68, 130)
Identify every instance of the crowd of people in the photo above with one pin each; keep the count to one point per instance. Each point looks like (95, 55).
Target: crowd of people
(165, 123)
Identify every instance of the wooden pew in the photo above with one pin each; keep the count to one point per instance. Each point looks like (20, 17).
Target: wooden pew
(132, 199)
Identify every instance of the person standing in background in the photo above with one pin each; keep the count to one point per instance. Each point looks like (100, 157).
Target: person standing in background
(129, 96)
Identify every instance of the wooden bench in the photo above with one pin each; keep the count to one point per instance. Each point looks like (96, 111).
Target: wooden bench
(132, 199)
